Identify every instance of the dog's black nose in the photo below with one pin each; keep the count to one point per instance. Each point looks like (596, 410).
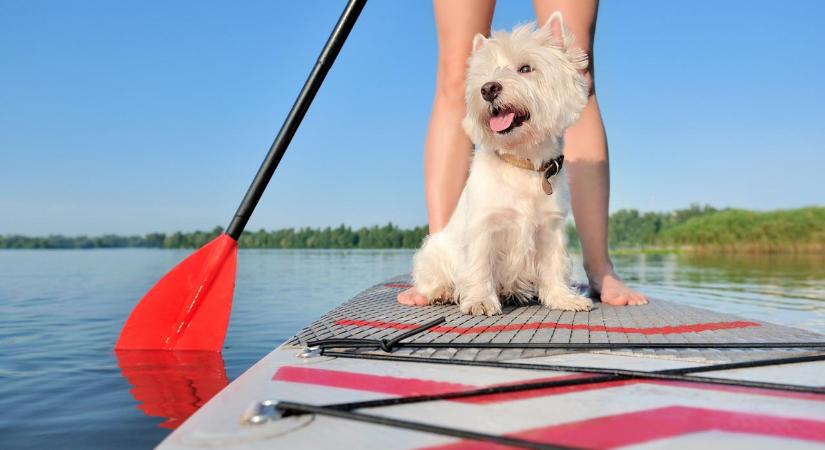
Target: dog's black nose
(490, 90)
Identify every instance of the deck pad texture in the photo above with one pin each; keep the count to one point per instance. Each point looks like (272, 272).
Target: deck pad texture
(375, 314)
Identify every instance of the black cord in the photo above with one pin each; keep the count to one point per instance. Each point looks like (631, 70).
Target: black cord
(293, 408)
(372, 343)
(345, 410)
(387, 345)
(681, 374)
(614, 345)
(749, 364)
(393, 401)
(383, 344)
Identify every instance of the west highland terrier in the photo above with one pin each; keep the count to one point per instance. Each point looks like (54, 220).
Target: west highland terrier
(506, 238)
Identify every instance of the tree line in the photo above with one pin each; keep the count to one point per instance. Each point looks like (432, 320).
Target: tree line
(702, 227)
(387, 236)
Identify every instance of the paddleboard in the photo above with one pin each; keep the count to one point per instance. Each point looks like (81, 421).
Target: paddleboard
(374, 374)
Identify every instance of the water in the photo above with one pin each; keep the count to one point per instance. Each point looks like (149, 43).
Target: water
(61, 311)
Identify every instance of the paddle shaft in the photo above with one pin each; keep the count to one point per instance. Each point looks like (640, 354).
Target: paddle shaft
(296, 114)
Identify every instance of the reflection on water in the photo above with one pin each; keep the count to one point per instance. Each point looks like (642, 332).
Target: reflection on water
(61, 312)
(789, 289)
(172, 384)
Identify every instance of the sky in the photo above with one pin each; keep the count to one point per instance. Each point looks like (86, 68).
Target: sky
(139, 116)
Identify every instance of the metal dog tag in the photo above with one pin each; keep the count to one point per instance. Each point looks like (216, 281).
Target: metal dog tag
(552, 170)
(545, 184)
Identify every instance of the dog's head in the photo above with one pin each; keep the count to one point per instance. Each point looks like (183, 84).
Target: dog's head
(524, 86)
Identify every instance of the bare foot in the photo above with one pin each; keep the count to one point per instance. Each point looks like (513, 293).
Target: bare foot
(613, 291)
(412, 297)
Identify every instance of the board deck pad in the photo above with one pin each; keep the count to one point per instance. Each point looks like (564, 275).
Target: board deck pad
(375, 314)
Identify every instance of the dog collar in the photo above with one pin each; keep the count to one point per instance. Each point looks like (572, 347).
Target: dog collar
(550, 168)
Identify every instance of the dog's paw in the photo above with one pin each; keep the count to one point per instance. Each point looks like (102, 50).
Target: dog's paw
(489, 307)
(443, 297)
(569, 302)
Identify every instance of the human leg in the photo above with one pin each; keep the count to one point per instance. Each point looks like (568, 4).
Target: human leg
(587, 163)
(447, 149)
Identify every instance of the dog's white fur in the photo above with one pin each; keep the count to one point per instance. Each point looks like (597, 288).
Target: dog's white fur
(506, 238)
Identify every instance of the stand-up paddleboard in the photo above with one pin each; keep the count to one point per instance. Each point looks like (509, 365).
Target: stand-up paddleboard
(374, 374)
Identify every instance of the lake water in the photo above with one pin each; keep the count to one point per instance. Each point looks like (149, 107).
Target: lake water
(61, 311)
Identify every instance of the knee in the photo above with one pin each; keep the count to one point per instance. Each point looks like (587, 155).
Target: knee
(589, 74)
(591, 82)
(450, 81)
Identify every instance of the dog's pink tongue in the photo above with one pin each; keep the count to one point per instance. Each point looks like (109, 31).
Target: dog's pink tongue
(502, 122)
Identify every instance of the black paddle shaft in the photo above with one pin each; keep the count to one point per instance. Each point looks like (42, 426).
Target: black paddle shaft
(293, 120)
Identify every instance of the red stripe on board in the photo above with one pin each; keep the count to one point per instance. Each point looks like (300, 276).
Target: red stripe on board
(364, 382)
(518, 395)
(386, 384)
(546, 392)
(667, 329)
(634, 428)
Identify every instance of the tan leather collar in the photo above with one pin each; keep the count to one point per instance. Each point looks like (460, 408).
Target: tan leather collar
(551, 165)
(550, 168)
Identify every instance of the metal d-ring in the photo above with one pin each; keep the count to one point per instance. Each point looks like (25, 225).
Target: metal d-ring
(309, 352)
(262, 412)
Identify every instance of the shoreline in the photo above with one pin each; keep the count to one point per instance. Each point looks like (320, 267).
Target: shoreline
(728, 250)
(696, 230)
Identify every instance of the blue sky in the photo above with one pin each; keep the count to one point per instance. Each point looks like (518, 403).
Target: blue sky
(132, 117)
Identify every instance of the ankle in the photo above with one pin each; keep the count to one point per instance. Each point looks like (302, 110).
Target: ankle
(596, 272)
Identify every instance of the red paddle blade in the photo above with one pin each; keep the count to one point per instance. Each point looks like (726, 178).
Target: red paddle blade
(188, 309)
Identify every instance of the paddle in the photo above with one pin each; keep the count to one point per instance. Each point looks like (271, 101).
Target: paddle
(188, 309)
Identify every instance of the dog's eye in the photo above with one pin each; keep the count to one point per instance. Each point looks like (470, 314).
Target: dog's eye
(525, 69)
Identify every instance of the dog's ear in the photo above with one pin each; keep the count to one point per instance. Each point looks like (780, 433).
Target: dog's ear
(560, 37)
(557, 31)
(478, 42)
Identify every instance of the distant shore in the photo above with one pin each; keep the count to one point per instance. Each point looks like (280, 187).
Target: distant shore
(700, 229)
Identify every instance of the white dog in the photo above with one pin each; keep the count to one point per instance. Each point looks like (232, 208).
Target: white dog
(506, 237)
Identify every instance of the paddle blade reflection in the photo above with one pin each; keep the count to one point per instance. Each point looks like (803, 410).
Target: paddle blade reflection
(172, 385)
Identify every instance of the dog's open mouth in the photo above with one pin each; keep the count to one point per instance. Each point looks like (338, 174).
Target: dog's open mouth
(505, 119)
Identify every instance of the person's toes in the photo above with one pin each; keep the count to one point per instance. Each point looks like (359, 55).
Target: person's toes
(420, 300)
(412, 297)
(618, 300)
(405, 297)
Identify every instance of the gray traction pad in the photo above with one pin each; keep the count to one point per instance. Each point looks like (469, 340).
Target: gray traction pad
(378, 315)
